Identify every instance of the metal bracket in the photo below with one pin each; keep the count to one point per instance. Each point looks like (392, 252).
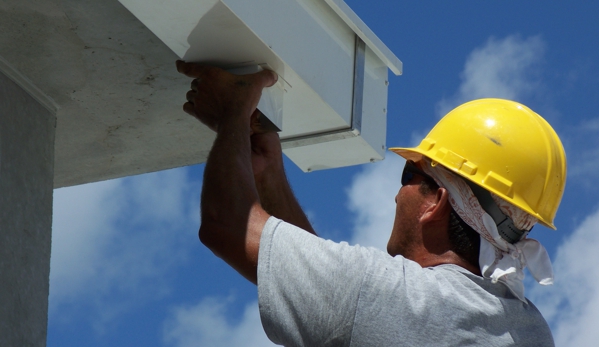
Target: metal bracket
(356, 115)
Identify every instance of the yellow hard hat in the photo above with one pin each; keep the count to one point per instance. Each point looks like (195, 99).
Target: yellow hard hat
(504, 147)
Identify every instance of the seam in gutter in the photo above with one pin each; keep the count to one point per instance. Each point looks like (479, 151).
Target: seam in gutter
(356, 114)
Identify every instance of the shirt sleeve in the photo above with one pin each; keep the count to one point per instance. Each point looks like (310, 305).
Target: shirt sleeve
(308, 287)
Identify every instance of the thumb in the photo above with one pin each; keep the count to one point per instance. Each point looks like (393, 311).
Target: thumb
(266, 78)
(192, 70)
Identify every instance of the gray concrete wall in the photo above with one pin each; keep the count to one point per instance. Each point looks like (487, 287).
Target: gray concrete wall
(26, 183)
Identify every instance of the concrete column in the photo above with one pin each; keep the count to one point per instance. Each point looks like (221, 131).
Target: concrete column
(27, 127)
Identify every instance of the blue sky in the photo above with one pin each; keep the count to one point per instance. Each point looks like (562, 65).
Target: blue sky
(127, 267)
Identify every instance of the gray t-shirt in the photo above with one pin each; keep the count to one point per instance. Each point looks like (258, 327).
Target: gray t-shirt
(315, 292)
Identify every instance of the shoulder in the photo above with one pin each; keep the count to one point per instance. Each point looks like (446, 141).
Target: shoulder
(454, 303)
(279, 235)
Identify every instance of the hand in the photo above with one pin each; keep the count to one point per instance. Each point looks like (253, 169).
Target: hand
(217, 96)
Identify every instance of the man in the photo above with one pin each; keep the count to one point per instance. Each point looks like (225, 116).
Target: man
(441, 283)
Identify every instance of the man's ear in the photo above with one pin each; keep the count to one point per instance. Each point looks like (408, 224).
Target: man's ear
(438, 208)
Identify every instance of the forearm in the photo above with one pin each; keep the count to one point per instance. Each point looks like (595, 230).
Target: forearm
(278, 199)
(230, 207)
(228, 188)
(232, 218)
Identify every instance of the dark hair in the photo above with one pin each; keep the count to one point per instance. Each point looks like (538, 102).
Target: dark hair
(464, 240)
(428, 186)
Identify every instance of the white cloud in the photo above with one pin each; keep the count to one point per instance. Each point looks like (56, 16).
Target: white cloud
(81, 229)
(111, 239)
(206, 324)
(582, 149)
(501, 69)
(571, 305)
(372, 200)
(417, 136)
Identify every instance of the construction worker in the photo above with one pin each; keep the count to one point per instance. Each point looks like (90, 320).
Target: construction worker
(471, 192)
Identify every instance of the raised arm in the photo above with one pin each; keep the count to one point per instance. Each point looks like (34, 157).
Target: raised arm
(232, 217)
(276, 195)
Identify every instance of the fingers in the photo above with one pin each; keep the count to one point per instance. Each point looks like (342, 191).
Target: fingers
(255, 122)
(189, 108)
(216, 95)
(191, 95)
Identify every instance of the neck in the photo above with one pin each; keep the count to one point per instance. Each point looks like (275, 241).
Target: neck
(436, 249)
(427, 259)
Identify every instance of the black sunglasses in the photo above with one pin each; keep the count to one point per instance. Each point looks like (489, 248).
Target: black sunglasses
(409, 170)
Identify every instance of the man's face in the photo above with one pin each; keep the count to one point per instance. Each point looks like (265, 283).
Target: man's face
(410, 205)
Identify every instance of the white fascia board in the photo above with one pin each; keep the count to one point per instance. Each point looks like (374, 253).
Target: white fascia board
(329, 154)
(369, 37)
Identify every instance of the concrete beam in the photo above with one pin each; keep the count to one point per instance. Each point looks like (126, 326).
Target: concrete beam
(119, 95)
(27, 130)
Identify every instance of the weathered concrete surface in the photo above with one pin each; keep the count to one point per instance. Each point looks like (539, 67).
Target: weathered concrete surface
(115, 83)
(26, 172)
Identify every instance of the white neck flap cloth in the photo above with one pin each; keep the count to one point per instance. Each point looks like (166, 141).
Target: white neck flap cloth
(499, 260)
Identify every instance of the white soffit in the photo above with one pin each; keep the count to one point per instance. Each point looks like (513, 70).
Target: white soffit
(335, 85)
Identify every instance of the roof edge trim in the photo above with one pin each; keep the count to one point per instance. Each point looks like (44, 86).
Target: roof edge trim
(368, 36)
